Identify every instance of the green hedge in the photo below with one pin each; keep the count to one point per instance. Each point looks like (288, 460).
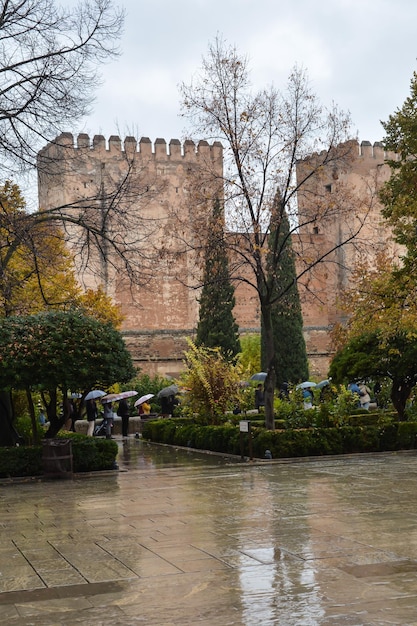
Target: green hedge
(20, 461)
(285, 443)
(89, 454)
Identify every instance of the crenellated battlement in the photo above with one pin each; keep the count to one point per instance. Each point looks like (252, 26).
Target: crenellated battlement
(375, 151)
(363, 150)
(174, 150)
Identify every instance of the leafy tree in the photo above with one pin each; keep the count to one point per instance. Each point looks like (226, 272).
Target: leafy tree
(57, 352)
(290, 361)
(398, 194)
(212, 383)
(37, 272)
(382, 303)
(50, 55)
(217, 326)
(265, 137)
(375, 356)
(250, 357)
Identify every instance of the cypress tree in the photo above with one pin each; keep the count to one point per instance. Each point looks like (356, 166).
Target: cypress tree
(291, 363)
(217, 326)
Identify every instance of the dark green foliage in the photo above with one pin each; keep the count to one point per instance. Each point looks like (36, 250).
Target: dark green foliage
(20, 461)
(391, 439)
(144, 384)
(24, 428)
(371, 356)
(399, 192)
(290, 360)
(93, 454)
(89, 455)
(61, 349)
(287, 443)
(58, 351)
(217, 327)
(407, 435)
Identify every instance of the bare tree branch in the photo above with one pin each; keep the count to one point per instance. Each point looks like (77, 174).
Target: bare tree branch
(49, 57)
(280, 148)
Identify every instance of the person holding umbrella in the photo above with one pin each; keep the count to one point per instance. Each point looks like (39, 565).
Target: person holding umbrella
(123, 412)
(142, 404)
(91, 408)
(166, 397)
(108, 417)
(259, 397)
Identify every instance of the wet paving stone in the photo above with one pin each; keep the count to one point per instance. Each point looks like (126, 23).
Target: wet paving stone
(177, 537)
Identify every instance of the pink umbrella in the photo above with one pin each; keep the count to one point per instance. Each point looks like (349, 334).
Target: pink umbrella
(114, 397)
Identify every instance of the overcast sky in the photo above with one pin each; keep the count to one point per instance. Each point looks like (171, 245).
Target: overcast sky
(360, 54)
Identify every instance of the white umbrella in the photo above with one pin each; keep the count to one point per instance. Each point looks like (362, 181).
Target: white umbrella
(110, 397)
(127, 394)
(144, 398)
(76, 396)
(94, 394)
(114, 397)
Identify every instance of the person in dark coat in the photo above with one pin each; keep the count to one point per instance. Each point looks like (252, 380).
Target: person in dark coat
(259, 397)
(123, 412)
(92, 413)
(168, 404)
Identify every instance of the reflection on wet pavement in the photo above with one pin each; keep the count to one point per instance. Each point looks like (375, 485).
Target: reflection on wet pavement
(179, 537)
(138, 454)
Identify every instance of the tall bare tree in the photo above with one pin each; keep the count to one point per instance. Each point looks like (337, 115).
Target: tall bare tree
(49, 60)
(50, 56)
(276, 144)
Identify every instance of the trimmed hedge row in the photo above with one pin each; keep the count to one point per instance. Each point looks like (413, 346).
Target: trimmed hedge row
(89, 454)
(284, 443)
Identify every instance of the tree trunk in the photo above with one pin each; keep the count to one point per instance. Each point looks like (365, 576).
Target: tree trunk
(32, 417)
(400, 392)
(269, 385)
(8, 434)
(55, 422)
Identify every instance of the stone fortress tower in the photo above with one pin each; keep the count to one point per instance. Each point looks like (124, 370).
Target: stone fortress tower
(161, 312)
(357, 181)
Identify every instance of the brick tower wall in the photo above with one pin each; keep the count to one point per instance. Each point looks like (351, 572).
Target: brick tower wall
(159, 316)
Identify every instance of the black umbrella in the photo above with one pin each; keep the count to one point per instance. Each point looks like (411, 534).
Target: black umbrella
(259, 376)
(167, 391)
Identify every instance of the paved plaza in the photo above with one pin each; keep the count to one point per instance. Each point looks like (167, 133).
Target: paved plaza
(178, 538)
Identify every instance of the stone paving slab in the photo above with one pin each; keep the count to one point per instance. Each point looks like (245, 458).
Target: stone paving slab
(181, 538)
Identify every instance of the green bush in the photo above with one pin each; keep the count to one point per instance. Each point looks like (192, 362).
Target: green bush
(20, 461)
(23, 426)
(407, 433)
(89, 454)
(92, 454)
(286, 443)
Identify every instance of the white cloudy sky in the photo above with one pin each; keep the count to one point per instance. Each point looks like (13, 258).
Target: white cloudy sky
(360, 54)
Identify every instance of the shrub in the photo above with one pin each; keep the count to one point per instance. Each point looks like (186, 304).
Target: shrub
(407, 433)
(286, 443)
(89, 454)
(20, 461)
(24, 428)
(212, 383)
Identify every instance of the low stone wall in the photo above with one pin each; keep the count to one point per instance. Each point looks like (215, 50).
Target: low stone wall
(135, 425)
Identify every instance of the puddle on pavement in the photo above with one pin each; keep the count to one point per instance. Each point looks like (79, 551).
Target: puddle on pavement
(372, 570)
(138, 454)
